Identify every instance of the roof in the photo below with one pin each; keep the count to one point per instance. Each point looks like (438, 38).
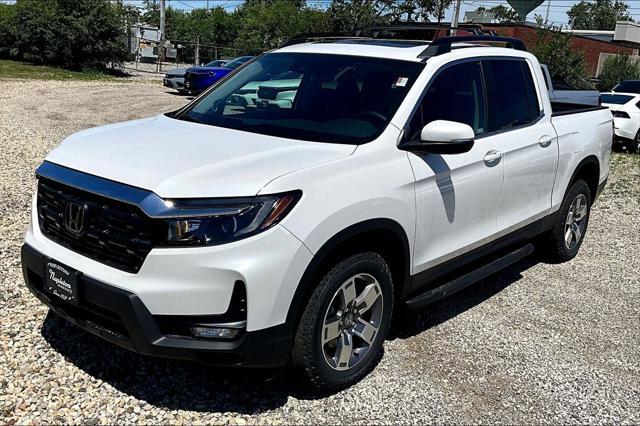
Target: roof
(406, 50)
(391, 49)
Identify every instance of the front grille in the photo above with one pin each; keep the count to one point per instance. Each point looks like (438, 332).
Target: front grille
(188, 77)
(114, 233)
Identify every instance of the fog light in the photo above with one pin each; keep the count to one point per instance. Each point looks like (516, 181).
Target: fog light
(214, 332)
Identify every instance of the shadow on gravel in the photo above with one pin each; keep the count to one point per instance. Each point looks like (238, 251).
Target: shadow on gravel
(411, 323)
(172, 384)
(178, 385)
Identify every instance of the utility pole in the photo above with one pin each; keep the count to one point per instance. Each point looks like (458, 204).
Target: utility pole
(162, 37)
(546, 19)
(197, 58)
(454, 21)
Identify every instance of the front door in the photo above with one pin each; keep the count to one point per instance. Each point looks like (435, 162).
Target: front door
(457, 195)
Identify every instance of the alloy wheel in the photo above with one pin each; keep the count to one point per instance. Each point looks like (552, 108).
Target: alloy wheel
(576, 222)
(352, 321)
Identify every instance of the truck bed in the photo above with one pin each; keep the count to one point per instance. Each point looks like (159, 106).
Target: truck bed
(564, 108)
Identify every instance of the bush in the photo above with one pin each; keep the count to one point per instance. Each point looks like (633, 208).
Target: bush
(617, 68)
(553, 48)
(75, 34)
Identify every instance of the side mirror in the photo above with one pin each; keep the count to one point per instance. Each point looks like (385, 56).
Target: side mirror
(443, 137)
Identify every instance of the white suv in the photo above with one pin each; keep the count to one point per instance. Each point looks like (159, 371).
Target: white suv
(251, 234)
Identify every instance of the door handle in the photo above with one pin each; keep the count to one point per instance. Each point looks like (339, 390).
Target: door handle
(492, 158)
(545, 141)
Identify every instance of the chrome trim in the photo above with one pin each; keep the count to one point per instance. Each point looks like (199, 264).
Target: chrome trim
(435, 262)
(150, 203)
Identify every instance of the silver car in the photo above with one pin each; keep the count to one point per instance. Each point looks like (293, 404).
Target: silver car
(174, 79)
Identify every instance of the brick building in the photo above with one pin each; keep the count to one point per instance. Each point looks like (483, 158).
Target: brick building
(595, 51)
(596, 48)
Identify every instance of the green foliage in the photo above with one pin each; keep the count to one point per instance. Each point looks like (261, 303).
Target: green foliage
(501, 13)
(7, 39)
(553, 48)
(348, 15)
(267, 24)
(504, 14)
(598, 15)
(75, 34)
(415, 10)
(617, 68)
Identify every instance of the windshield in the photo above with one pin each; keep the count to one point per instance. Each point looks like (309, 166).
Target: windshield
(615, 99)
(237, 62)
(313, 97)
(217, 63)
(629, 86)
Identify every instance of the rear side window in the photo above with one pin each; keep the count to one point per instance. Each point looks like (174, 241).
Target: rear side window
(511, 94)
(455, 94)
(615, 99)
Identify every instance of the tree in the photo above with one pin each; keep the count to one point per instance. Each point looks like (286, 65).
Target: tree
(502, 14)
(348, 15)
(415, 10)
(617, 68)
(7, 37)
(74, 34)
(553, 48)
(265, 25)
(598, 15)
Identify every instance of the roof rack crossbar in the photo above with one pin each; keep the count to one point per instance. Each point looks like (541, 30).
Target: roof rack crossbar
(307, 37)
(442, 45)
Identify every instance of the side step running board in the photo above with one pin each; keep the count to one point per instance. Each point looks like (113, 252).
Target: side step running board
(466, 280)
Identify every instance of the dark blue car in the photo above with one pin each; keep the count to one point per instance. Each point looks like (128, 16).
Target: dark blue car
(197, 79)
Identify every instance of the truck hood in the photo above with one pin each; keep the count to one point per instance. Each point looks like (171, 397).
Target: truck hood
(180, 159)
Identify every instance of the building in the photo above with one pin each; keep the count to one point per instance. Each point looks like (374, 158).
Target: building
(596, 45)
(595, 48)
(479, 17)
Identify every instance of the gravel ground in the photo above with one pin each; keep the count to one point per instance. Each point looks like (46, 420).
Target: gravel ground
(537, 343)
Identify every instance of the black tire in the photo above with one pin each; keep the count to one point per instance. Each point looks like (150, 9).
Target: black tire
(309, 350)
(556, 248)
(634, 146)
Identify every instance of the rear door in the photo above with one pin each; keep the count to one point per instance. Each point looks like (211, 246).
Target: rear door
(457, 195)
(523, 134)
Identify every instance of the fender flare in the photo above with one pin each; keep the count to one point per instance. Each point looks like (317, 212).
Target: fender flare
(305, 286)
(590, 159)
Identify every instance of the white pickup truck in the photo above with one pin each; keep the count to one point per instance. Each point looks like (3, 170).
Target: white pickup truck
(400, 173)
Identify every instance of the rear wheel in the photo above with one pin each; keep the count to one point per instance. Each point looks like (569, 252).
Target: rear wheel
(340, 336)
(568, 233)
(634, 145)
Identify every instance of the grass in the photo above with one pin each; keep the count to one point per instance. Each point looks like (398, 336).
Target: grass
(15, 69)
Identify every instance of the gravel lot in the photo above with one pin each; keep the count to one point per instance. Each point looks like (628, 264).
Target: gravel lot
(536, 344)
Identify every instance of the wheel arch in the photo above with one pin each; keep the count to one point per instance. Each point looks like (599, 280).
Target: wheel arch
(384, 236)
(588, 170)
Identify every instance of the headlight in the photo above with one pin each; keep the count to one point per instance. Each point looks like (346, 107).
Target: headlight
(208, 222)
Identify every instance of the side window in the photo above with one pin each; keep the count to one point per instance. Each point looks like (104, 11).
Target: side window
(456, 94)
(511, 95)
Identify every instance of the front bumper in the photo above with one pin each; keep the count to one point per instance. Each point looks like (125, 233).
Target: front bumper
(120, 317)
(174, 82)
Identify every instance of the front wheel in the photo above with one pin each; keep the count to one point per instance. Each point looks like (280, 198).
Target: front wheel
(568, 233)
(340, 336)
